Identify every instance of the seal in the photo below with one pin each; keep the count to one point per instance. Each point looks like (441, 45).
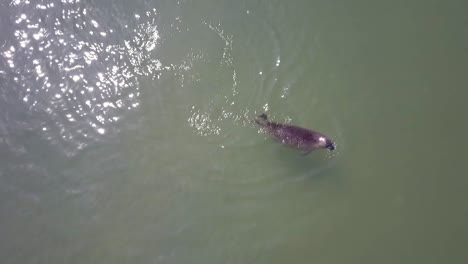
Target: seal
(304, 139)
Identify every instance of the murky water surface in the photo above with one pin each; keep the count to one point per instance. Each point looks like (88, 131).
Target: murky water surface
(126, 131)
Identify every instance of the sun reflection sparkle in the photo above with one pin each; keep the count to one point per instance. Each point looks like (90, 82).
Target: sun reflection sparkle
(73, 71)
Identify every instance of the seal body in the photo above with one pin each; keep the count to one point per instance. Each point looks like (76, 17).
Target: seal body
(301, 138)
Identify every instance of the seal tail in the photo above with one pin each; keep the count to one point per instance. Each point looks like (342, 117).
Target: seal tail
(262, 119)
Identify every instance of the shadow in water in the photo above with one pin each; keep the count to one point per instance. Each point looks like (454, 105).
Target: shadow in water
(317, 165)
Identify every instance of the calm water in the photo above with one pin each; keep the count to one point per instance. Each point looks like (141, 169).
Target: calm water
(125, 133)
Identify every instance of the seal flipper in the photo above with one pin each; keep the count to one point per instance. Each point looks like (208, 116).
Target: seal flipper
(262, 119)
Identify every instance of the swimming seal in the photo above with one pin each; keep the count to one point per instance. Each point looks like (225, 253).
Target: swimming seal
(301, 138)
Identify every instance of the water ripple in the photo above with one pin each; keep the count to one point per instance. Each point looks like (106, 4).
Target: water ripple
(268, 75)
(64, 66)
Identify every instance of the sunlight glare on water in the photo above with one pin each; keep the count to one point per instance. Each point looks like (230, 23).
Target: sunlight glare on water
(127, 131)
(73, 71)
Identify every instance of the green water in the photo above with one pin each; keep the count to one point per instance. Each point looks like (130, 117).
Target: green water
(187, 178)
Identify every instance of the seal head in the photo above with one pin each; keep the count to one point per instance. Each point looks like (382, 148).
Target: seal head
(325, 142)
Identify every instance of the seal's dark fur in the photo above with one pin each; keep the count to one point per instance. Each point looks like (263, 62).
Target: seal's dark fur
(301, 138)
